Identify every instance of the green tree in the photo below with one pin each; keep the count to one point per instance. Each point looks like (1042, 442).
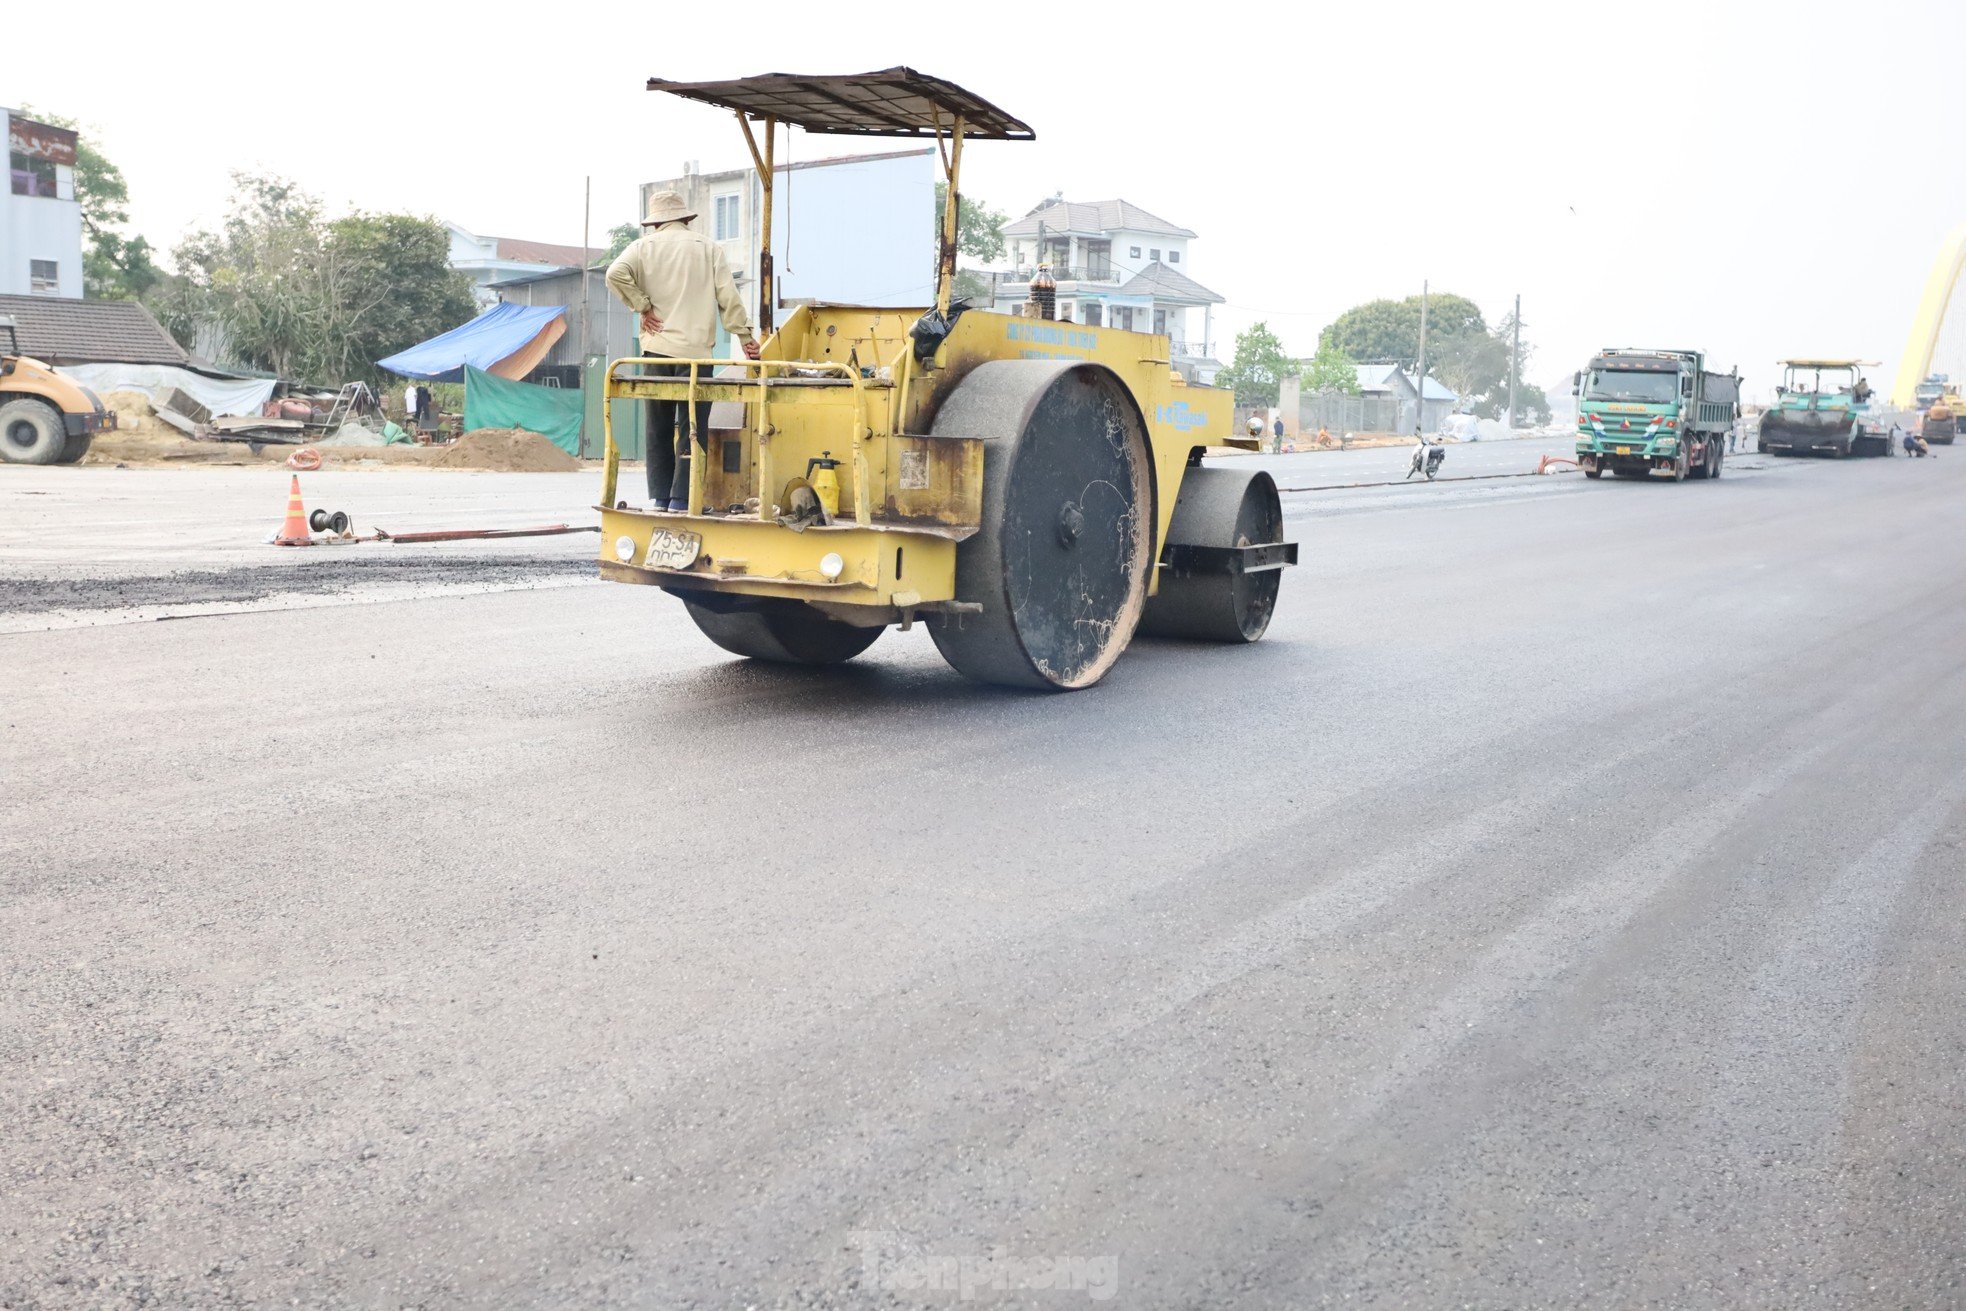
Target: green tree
(1532, 405)
(1474, 365)
(394, 288)
(1330, 371)
(310, 298)
(1260, 365)
(619, 239)
(1390, 329)
(979, 229)
(973, 286)
(116, 266)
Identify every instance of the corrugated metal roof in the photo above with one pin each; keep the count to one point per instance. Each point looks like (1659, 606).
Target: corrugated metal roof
(1092, 218)
(63, 331)
(521, 251)
(1379, 377)
(1164, 283)
(891, 102)
(550, 275)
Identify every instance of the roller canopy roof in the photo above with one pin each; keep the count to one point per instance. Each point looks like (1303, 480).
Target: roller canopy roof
(894, 102)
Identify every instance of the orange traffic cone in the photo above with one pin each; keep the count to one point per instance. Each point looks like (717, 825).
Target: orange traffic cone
(294, 531)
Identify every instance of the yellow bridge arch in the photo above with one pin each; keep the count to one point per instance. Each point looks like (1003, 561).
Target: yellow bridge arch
(1917, 359)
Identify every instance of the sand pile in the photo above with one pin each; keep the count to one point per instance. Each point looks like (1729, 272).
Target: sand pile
(506, 450)
(136, 420)
(141, 438)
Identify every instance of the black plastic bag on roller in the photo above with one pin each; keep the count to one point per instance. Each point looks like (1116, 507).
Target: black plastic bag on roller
(933, 328)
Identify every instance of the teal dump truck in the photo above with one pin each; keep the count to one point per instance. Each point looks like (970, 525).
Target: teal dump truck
(1823, 407)
(1644, 413)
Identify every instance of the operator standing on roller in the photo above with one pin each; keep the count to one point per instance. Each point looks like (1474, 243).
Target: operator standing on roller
(679, 282)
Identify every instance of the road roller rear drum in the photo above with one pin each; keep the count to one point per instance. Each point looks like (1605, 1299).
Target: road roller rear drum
(1224, 559)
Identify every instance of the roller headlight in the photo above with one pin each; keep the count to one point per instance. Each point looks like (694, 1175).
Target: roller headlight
(624, 549)
(831, 565)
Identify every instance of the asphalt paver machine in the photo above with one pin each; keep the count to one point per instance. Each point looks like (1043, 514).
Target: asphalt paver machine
(1823, 407)
(1030, 490)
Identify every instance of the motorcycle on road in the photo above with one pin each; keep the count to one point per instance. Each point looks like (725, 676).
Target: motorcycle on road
(1427, 458)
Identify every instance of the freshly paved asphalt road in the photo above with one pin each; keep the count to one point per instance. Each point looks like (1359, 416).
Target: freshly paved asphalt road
(1562, 906)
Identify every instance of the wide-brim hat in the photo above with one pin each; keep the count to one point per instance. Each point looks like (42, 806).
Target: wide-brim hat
(666, 207)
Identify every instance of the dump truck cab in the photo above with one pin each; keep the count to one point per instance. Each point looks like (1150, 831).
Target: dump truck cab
(1646, 412)
(45, 418)
(1029, 489)
(1927, 393)
(1823, 407)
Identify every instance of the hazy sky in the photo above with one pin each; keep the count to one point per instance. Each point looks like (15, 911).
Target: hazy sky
(1757, 179)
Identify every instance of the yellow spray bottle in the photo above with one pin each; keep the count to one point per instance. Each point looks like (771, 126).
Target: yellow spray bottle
(820, 472)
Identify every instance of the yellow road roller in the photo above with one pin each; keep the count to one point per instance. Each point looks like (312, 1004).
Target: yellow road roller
(1030, 490)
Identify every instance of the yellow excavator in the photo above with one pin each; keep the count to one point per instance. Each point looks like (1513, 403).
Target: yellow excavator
(44, 417)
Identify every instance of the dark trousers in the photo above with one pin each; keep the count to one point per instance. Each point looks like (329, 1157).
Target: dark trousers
(668, 448)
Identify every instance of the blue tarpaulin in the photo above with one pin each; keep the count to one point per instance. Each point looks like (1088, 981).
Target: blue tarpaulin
(515, 336)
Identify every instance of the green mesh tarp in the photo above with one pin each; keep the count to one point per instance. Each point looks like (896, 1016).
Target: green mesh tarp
(552, 412)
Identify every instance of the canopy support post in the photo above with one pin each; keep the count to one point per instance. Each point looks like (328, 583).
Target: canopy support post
(945, 265)
(767, 280)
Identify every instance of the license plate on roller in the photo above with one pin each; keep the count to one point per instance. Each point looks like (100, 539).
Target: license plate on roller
(669, 550)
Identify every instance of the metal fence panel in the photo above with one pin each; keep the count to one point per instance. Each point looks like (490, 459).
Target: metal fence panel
(1339, 414)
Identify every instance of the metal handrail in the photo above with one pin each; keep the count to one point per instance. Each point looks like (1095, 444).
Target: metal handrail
(1066, 273)
(611, 458)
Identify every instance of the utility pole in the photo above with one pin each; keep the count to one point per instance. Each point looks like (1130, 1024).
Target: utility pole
(1420, 383)
(1515, 356)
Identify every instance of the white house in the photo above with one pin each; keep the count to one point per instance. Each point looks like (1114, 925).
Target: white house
(1389, 380)
(1117, 265)
(500, 259)
(854, 229)
(40, 218)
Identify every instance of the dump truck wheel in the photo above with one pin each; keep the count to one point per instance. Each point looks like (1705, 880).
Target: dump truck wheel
(1593, 473)
(1060, 561)
(785, 632)
(30, 433)
(1715, 458)
(1227, 508)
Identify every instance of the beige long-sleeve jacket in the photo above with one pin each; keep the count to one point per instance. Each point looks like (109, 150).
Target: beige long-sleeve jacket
(684, 277)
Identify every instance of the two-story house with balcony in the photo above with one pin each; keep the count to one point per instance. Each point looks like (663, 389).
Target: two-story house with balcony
(1118, 266)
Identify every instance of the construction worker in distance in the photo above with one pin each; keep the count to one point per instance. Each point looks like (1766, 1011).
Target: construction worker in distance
(679, 282)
